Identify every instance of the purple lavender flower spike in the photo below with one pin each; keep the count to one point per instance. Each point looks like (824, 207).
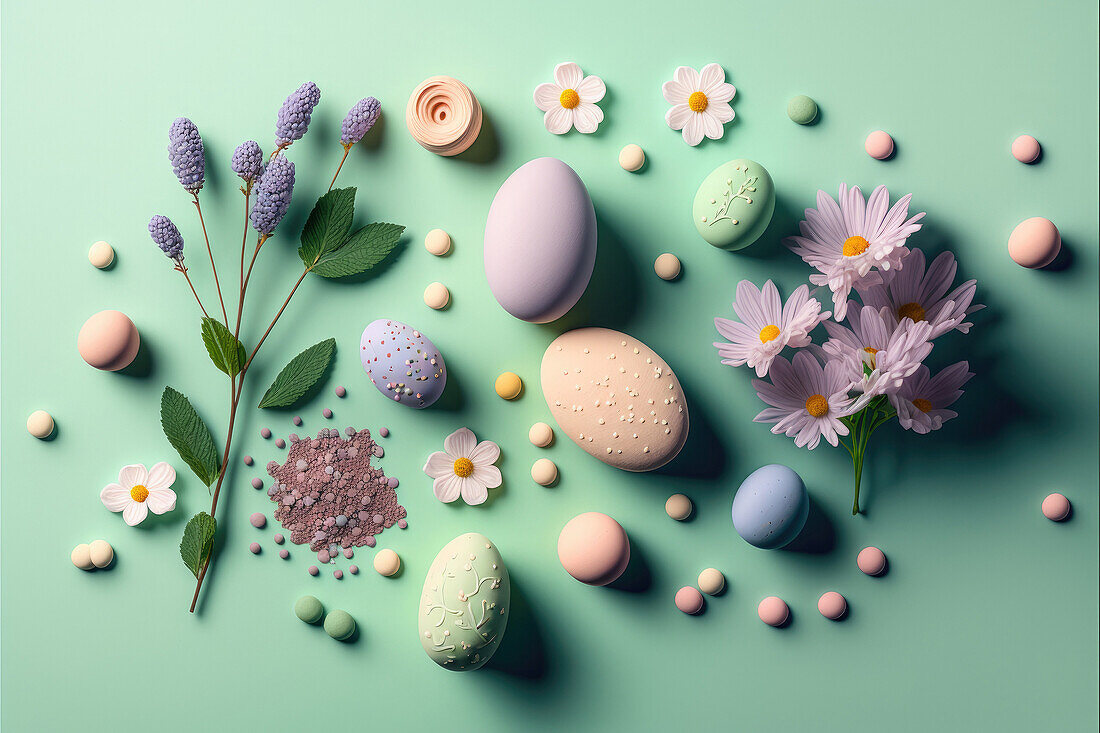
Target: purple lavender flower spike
(360, 120)
(294, 115)
(185, 152)
(272, 195)
(167, 237)
(248, 161)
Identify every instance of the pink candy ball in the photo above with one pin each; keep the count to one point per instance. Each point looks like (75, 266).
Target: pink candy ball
(108, 341)
(871, 561)
(1025, 149)
(879, 145)
(1034, 243)
(773, 611)
(832, 605)
(313, 570)
(1056, 507)
(254, 548)
(258, 520)
(689, 600)
(594, 548)
(284, 554)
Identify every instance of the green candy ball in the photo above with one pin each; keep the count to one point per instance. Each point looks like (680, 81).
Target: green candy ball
(802, 109)
(339, 625)
(309, 609)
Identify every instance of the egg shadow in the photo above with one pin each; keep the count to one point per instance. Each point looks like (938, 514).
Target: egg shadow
(637, 577)
(522, 651)
(1063, 261)
(486, 148)
(703, 455)
(818, 536)
(453, 397)
(142, 365)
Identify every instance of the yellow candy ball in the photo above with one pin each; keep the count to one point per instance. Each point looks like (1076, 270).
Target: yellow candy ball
(509, 385)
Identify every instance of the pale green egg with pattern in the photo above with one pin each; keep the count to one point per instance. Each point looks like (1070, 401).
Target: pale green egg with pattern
(464, 606)
(734, 204)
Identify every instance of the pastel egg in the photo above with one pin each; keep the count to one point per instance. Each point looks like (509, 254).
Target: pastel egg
(632, 158)
(469, 577)
(437, 296)
(1034, 243)
(879, 145)
(734, 204)
(667, 266)
(594, 548)
(615, 397)
(339, 625)
(540, 435)
(40, 424)
(802, 109)
(770, 507)
(509, 386)
(438, 242)
(689, 600)
(108, 341)
(540, 241)
(773, 611)
(81, 557)
(309, 609)
(387, 562)
(101, 553)
(1026, 149)
(678, 507)
(871, 560)
(832, 605)
(711, 581)
(101, 254)
(544, 472)
(1056, 507)
(402, 363)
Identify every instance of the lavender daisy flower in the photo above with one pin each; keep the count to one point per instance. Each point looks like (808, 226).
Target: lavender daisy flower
(913, 293)
(293, 119)
(272, 195)
(877, 355)
(922, 401)
(167, 237)
(185, 152)
(807, 401)
(767, 325)
(846, 242)
(248, 161)
(359, 121)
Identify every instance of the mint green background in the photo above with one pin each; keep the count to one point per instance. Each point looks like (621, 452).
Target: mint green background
(987, 619)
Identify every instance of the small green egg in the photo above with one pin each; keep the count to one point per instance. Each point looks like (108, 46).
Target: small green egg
(309, 609)
(339, 625)
(802, 109)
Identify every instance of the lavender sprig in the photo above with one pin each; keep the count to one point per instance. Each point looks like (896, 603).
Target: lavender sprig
(167, 237)
(293, 119)
(248, 162)
(272, 196)
(360, 119)
(185, 152)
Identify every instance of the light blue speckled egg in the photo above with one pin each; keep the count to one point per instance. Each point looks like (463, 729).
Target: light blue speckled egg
(402, 363)
(770, 507)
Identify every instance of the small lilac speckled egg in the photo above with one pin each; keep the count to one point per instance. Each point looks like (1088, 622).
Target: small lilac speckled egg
(871, 560)
(258, 520)
(832, 605)
(1056, 507)
(402, 363)
(773, 611)
(770, 507)
(254, 548)
(689, 600)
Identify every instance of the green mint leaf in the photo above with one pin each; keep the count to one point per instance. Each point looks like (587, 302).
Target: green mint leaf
(198, 541)
(363, 250)
(296, 378)
(189, 435)
(328, 224)
(225, 350)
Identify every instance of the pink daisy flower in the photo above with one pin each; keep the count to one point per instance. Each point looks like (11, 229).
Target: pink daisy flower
(807, 401)
(920, 295)
(846, 242)
(874, 342)
(922, 401)
(767, 325)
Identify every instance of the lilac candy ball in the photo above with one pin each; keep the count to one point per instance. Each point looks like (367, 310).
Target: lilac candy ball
(312, 570)
(257, 483)
(258, 520)
(254, 548)
(689, 600)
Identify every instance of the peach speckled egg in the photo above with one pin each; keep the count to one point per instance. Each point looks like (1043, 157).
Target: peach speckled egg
(594, 548)
(108, 341)
(615, 397)
(1034, 243)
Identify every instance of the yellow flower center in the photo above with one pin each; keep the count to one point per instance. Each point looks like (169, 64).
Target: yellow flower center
(697, 102)
(912, 311)
(817, 406)
(870, 350)
(769, 333)
(569, 98)
(464, 467)
(922, 404)
(855, 246)
(139, 493)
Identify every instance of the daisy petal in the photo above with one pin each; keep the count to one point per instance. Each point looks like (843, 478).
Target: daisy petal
(161, 476)
(488, 475)
(439, 464)
(133, 475)
(587, 117)
(161, 500)
(115, 497)
(710, 78)
(721, 93)
(473, 492)
(693, 130)
(721, 112)
(591, 89)
(547, 96)
(712, 128)
(675, 93)
(688, 77)
(568, 75)
(460, 443)
(485, 454)
(447, 488)
(558, 120)
(134, 513)
(678, 115)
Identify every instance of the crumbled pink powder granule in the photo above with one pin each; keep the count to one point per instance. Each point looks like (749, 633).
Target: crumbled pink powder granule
(329, 495)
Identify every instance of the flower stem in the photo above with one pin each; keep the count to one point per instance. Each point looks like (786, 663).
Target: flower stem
(209, 251)
(347, 148)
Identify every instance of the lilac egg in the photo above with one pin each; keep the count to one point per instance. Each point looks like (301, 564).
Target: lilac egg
(402, 363)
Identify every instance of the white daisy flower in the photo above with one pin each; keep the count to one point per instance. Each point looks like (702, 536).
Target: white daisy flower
(139, 492)
(464, 468)
(700, 102)
(571, 102)
(846, 242)
(767, 325)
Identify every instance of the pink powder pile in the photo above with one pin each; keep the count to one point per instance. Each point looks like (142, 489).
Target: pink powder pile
(328, 494)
